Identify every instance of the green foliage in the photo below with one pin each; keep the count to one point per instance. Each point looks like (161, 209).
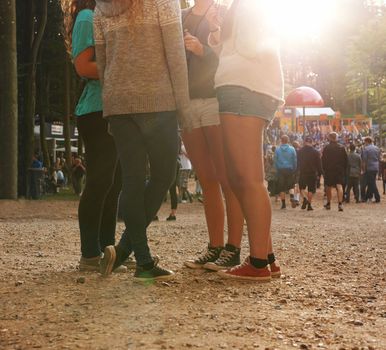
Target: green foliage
(366, 72)
(321, 62)
(53, 57)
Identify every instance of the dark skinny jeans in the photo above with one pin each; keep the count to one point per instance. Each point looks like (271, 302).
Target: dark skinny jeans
(372, 189)
(140, 138)
(98, 205)
(173, 190)
(353, 183)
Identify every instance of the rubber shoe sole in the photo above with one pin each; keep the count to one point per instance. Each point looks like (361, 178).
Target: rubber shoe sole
(214, 267)
(193, 265)
(151, 279)
(120, 269)
(88, 268)
(224, 274)
(108, 260)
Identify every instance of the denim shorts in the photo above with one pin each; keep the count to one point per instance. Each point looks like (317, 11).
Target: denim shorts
(241, 101)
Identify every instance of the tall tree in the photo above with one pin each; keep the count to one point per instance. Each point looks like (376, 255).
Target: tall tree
(37, 24)
(67, 115)
(367, 67)
(8, 100)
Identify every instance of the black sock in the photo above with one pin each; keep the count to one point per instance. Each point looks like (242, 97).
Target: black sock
(258, 263)
(271, 258)
(283, 201)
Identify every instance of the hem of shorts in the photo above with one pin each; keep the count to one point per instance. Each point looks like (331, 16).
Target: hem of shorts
(250, 115)
(203, 126)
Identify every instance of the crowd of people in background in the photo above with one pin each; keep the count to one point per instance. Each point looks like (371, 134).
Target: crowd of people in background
(347, 164)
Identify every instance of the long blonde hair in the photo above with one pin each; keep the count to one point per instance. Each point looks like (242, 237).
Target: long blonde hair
(70, 9)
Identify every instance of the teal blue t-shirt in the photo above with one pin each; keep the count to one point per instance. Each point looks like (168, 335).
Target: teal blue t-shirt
(83, 38)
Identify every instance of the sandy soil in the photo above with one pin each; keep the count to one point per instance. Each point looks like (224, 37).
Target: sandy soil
(332, 294)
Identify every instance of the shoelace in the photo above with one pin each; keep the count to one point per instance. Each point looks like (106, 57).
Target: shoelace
(209, 254)
(225, 257)
(245, 263)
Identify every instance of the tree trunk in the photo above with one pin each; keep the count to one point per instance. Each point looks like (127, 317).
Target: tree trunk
(43, 108)
(80, 146)
(8, 101)
(66, 118)
(31, 84)
(379, 114)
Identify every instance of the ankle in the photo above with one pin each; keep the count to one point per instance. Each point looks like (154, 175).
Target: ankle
(258, 263)
(231, 247)
(271, 258)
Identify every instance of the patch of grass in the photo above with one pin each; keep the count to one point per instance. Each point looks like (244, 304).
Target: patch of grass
(65, 194)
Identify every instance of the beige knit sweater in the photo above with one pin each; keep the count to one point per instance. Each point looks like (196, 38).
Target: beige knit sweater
(142, 68)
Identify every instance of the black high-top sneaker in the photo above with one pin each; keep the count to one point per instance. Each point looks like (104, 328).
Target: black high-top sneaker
(211, 254)
(229, 257)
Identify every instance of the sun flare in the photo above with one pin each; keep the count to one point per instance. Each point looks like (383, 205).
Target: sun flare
(304, 18)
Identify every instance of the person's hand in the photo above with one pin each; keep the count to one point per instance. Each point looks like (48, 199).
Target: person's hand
(193, 45)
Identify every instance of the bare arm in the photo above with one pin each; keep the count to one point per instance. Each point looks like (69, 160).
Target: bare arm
(85, 64)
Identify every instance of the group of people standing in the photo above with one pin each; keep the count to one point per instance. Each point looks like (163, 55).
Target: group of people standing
(298, 171)
(211, 70)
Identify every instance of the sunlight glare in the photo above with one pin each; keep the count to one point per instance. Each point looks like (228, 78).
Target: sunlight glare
(299, 19)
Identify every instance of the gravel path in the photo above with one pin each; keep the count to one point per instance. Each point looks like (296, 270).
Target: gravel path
(332, 294)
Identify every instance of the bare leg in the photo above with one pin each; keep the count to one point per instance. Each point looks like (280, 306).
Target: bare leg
(235, 217)
(339, 190)
(329, 193)
(196, 146)
(243, 150)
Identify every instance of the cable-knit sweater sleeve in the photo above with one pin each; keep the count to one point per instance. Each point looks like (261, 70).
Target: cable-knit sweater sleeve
(170, 21)
(100, 46)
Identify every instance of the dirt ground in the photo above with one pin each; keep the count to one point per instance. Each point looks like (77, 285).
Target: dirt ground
(332, 294)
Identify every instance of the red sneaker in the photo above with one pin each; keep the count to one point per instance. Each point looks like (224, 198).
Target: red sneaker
(246, 271)
(275, 270)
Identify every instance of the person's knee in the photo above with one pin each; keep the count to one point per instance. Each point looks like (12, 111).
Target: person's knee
(208, 182)
(245, 184)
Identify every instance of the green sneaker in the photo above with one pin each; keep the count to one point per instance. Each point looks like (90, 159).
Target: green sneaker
(156, 273)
